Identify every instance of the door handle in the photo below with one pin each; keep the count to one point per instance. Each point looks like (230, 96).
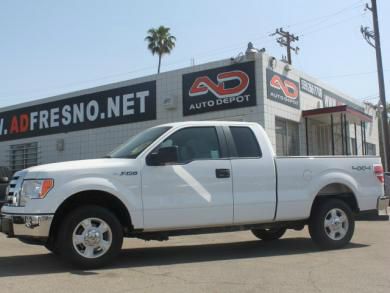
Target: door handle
(222, 173)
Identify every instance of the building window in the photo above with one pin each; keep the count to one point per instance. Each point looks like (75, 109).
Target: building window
(353, 146)
(23, 156)
(370, 149)
(287, 137)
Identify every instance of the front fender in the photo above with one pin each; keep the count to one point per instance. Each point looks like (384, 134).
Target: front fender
(129, 195)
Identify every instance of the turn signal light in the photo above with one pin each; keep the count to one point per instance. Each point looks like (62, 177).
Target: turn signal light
(47, 184)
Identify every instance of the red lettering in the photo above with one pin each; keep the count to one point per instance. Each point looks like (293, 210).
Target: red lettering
(288, 88)
(203, 84)
(23, 122)
(14, 125)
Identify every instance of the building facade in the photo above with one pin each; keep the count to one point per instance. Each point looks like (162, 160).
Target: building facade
(301, 115)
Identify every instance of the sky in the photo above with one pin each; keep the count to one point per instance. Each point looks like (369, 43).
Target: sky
(53, 47)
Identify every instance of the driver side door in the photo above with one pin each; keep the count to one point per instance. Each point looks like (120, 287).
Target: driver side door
(195, 191)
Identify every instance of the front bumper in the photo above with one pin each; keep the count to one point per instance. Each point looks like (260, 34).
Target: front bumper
(383, 204)
(34, 226)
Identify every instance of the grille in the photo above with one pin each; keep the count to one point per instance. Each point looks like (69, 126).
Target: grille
(13, 189)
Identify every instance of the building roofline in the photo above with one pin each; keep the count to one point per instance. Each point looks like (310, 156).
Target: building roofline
(117, 84)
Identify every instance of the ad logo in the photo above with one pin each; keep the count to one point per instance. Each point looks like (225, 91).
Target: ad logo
(220, 88)
(288, 88)
(282, 89)
(202, 85)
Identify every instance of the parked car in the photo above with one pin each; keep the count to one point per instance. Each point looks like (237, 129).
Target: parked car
(5, 175)
(186, 178)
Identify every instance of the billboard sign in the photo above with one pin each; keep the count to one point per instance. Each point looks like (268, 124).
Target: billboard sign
(122, 105)
(329, 99)
(282, 89)
(220, 88)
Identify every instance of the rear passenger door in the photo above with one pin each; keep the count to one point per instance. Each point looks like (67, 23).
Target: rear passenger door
(254, 178)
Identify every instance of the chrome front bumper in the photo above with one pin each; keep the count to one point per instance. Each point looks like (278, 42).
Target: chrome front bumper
(382, 206)
(36, 226)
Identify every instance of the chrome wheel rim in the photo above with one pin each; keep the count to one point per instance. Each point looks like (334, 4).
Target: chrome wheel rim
(336, 224)
(92, 238)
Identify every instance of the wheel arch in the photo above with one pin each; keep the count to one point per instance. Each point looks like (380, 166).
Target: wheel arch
(336, 190)
(92, 197)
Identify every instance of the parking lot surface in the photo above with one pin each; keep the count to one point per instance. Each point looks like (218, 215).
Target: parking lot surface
(224, 262)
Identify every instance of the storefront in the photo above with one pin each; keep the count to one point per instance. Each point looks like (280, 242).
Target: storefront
(331, 131)
(300, 114)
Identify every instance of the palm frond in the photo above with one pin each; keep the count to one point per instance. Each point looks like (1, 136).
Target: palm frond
(160, 41)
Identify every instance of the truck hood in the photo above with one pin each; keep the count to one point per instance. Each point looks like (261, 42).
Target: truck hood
(81, 167)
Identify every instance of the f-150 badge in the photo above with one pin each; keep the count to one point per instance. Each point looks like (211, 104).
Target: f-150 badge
(126, 173)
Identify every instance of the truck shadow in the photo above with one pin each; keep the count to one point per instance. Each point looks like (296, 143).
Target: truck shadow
(156, 256)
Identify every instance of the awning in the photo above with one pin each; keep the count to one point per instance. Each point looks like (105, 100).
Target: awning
(352, 115)
(341, 117)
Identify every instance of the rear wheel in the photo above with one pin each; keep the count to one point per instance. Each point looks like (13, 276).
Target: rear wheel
(331, 224)
(269, 234)
(90, 237)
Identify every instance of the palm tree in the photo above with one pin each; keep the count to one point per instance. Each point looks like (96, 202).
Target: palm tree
(160, 42)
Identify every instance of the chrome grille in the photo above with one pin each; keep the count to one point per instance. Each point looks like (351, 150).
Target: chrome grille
(14, 187)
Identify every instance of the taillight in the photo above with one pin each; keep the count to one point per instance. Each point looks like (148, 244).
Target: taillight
(378, 170)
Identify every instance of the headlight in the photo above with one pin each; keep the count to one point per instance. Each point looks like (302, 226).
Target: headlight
(36, 188)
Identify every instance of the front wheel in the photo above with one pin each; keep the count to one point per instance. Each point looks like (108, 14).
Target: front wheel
(269, 234)
(331, 224)
(90, 237)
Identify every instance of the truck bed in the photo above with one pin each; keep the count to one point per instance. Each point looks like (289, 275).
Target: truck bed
(300, 178)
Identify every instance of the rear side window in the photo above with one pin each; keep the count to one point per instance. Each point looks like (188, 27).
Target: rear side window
(245, 142)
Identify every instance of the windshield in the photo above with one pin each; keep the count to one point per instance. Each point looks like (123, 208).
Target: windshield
(135, 145)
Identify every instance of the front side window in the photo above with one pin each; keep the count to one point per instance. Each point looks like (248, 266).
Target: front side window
(245, 142)
(135, 145)
(195, 143)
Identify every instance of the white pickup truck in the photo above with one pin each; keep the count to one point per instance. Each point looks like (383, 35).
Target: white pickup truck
(189, 178)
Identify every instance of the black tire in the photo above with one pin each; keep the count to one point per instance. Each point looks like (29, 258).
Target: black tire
(269, 234)
(321, 234)
(52, 248)
(69, 251)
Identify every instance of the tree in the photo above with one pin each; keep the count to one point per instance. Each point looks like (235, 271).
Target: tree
(160, 42)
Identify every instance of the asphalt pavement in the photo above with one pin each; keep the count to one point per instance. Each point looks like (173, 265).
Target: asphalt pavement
(223, 262)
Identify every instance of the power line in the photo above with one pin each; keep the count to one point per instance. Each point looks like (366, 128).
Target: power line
(214, 52)
(351, 74)
(304, 34)
(372, 98)
(327, 16)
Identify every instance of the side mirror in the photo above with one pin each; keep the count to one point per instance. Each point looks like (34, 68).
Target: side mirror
(163, 156)
(4, 180)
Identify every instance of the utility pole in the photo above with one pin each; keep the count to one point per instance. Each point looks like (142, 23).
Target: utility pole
(285, 40)
(373, 38)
